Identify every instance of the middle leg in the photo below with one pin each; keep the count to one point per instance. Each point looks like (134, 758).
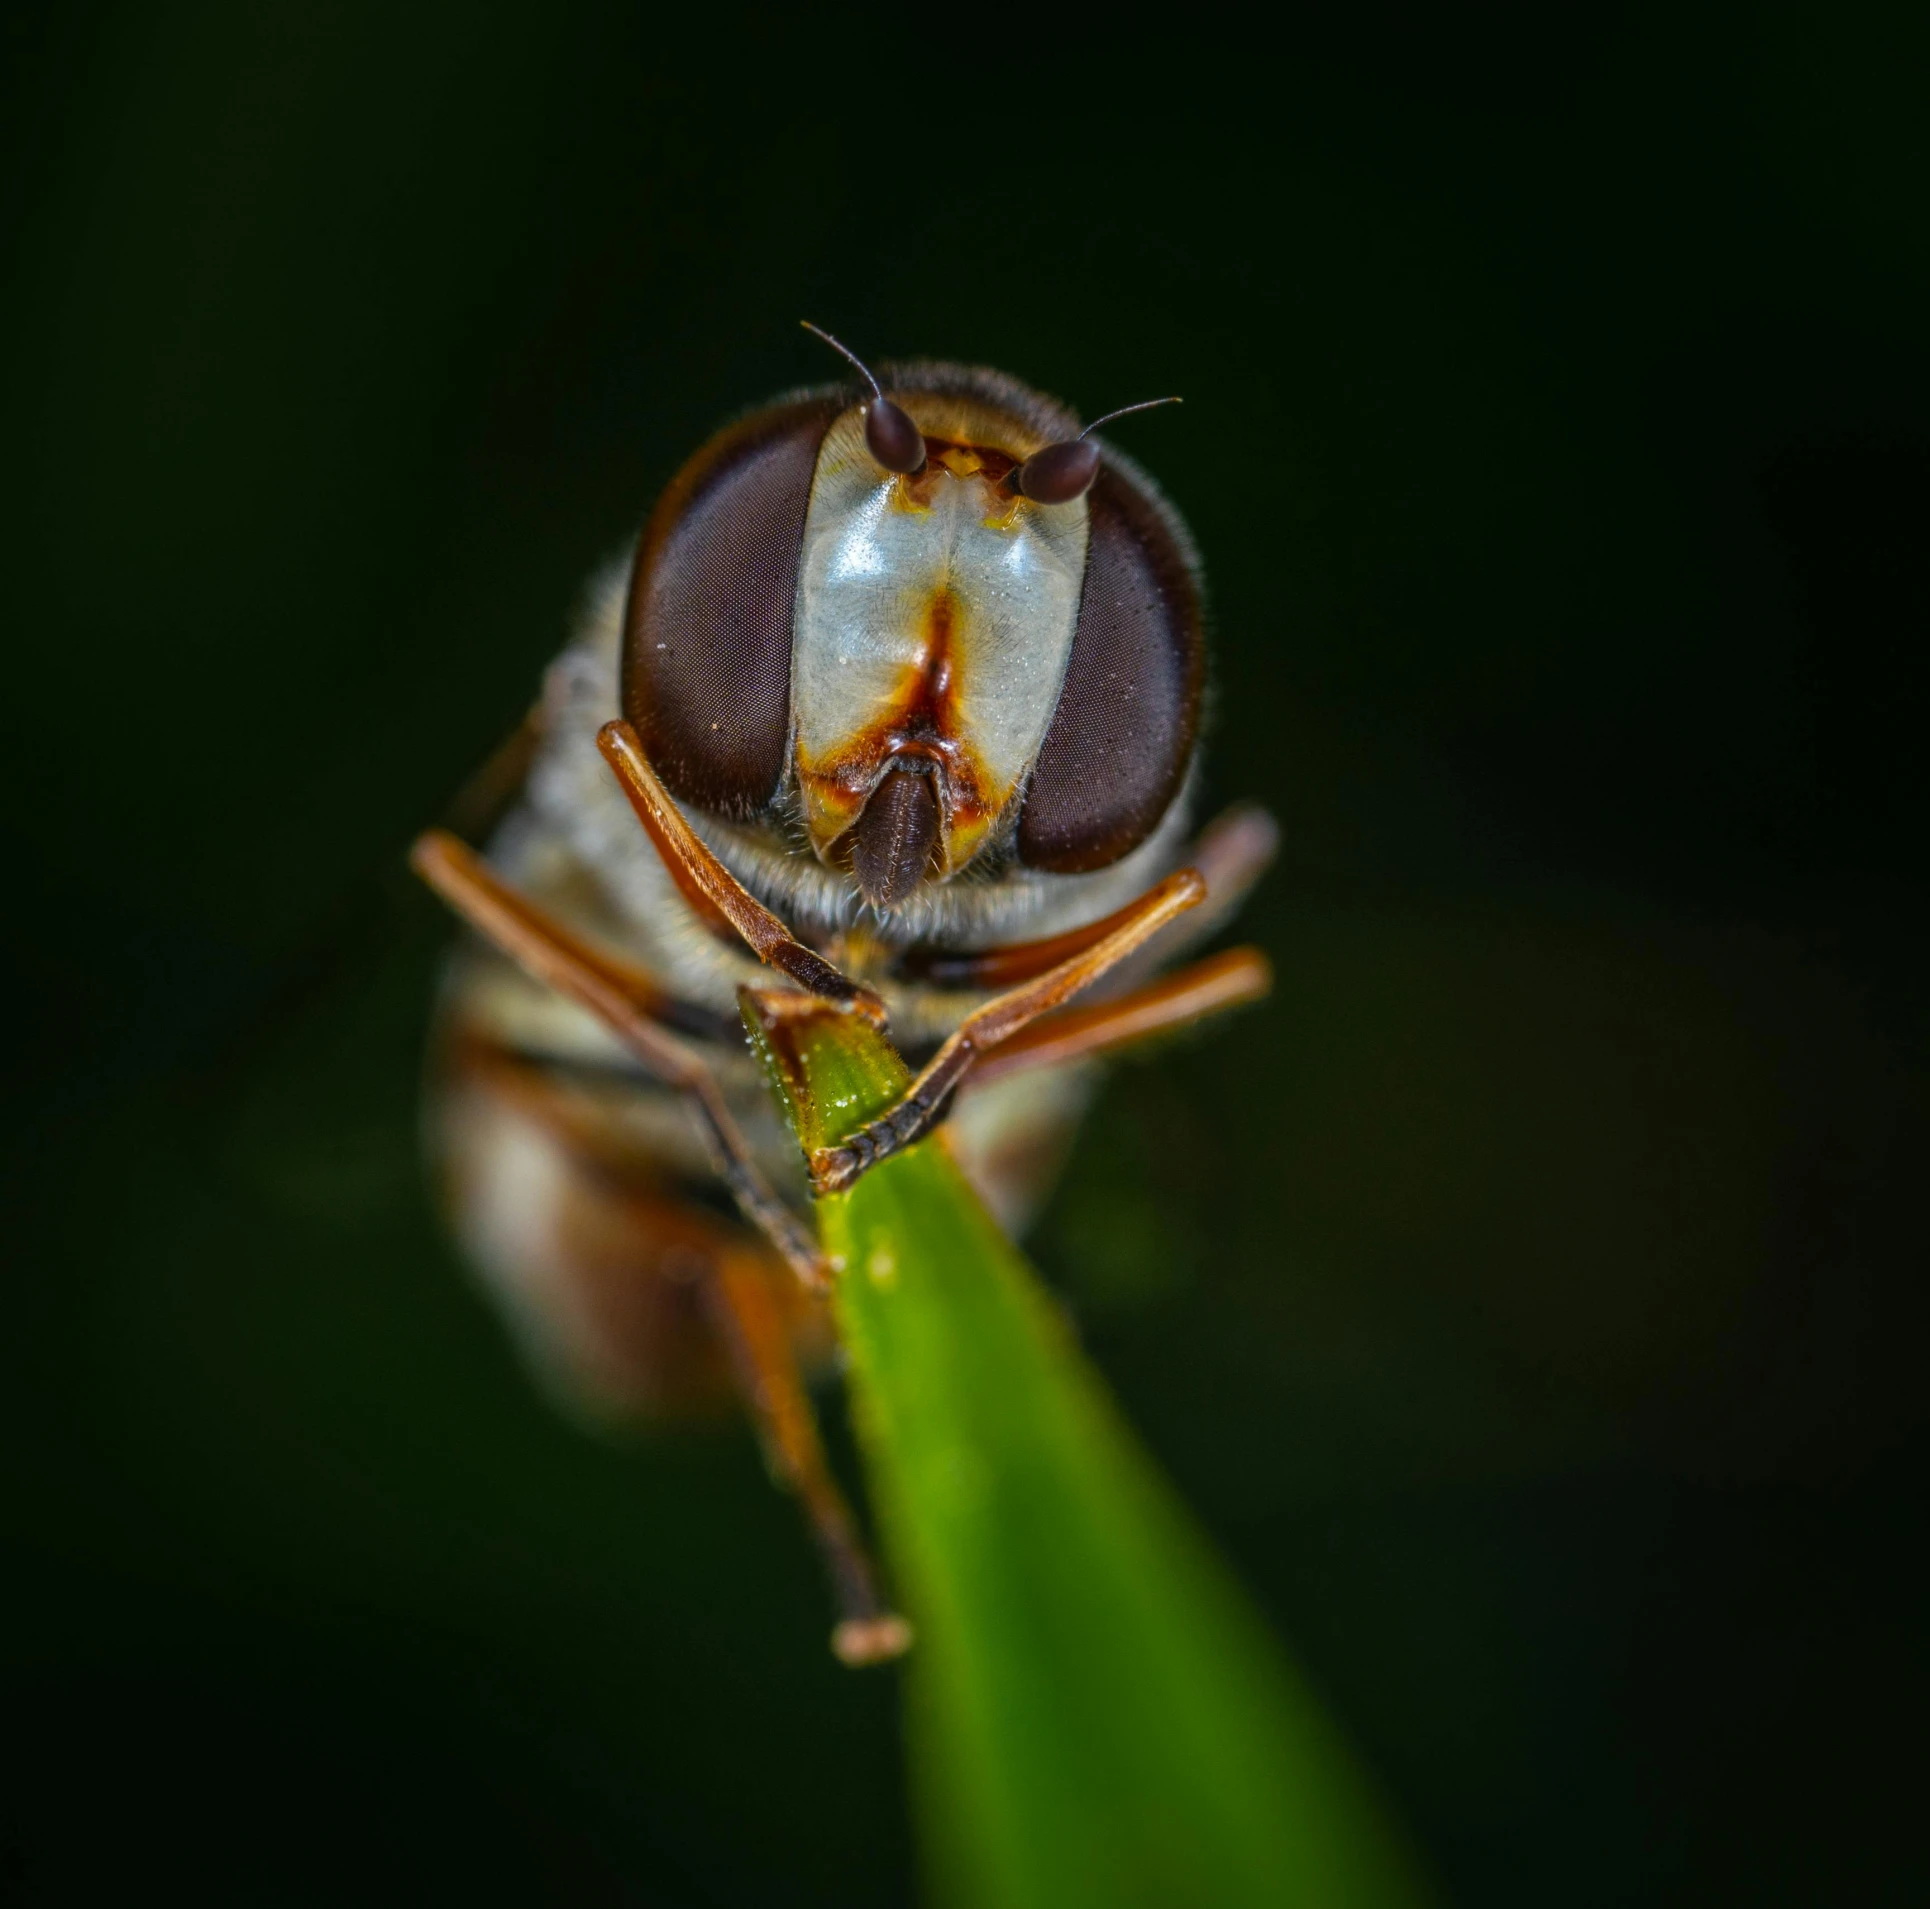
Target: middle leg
(752, 1326)
(626, 1002)
(1174, 1001)
(637, 1288)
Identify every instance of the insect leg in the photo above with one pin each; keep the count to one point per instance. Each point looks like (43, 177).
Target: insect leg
(752, 1326)
(629, 1004)
(1223, 981)
(1231, 854)
(485, 798)
(710, 888)
(649, 1243)
(924, 1101)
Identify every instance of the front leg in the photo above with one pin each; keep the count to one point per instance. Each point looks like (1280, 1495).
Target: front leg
(713, 892)
(833, 1169)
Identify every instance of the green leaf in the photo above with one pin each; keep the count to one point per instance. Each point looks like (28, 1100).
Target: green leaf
(1096, 1714)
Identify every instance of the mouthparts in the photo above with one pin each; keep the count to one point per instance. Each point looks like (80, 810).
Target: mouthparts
(891, 843)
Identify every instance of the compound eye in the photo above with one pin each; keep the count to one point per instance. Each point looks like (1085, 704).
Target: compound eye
(1123, 733)
(892, 438)
(707, 632)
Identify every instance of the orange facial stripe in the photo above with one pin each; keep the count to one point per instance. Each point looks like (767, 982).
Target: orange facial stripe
(923, 717)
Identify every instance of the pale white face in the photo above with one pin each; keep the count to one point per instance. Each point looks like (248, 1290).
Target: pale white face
(934, 618)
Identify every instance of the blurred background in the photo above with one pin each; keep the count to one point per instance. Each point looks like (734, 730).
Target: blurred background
(1530, 1299)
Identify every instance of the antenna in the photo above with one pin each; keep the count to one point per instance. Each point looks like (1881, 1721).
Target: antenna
(1060, 472)
(1125, 410)
(895, 441)
(845, 351)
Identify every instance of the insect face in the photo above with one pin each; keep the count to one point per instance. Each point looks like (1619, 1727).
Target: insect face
(989, 658)
(934, 618)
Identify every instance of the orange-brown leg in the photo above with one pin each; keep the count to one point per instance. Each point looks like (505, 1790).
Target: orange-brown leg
(741, 1303)
(923, 1104)
(1235, 850)
(1231, 854)
(752, 1326)
(1229, 980)
(754, 1323)
(485, 798)
(629, 1004)
(711, 889)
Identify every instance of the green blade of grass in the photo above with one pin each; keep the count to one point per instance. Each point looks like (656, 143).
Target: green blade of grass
(1096, 1714)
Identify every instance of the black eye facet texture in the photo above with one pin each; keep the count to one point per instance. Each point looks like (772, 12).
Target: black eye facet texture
(707, 632)
(1127, 719)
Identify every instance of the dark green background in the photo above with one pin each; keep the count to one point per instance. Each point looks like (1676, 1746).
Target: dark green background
(1530, 1298)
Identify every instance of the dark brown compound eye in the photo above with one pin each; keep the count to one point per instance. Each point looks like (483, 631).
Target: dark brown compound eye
(707, 632)
(1122, 736)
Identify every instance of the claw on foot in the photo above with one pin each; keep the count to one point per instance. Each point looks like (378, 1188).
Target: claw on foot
(871, 1640)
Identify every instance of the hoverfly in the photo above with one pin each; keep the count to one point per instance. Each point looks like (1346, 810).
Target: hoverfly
(903, 684)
